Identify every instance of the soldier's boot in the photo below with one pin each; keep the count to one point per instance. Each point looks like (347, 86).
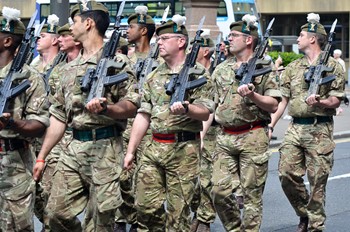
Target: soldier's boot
(133, 228)
(303, 223)
(240, 201)
(203, 227)
(119, 227)
(194, 224)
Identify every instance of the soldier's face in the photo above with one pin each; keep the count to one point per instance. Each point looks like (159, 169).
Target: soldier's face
(303, 40)
(237, 41)
(77, 28)
(66, 42)
(45, 42)
(133, 32)
(170, 44)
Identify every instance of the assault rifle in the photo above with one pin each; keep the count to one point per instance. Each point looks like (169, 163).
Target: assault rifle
(248, 71)
(180, 83)
(144, 67)
(217, 59)
(95, 80)
(61, 56)
(315, 75)
(7, 90)
(34, 41)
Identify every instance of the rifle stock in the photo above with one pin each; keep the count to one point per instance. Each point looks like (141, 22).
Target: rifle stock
(180, 84)
(7, 90)
(316, 74)
(248, 71)
(95, 80)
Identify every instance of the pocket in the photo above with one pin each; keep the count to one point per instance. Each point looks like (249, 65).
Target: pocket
(263, 158)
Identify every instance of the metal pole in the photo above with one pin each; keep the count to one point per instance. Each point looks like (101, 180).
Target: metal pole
(61, 9)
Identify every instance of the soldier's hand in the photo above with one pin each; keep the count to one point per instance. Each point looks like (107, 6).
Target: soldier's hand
(246, 90)
(312, 99)
(97, 105)
(128, 161)
(179, 108)
(38, 170)
(4, 120)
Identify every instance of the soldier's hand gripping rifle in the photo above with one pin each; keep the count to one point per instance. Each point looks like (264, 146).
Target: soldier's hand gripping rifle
(7, 90)
(150, 63)
(95, 80)
(218, 53)
(248, 71)
(315, 75)
(180, 83)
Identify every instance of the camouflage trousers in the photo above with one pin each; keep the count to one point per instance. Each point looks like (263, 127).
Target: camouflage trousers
(17, 191)
(43, 188)
(240, 159)
(307, 149)
(202, 204)
(166, 173)
(127, 211)
(87, 177)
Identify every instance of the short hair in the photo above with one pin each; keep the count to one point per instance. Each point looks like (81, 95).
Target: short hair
(17, 39)
(100, 18)
(151, 28)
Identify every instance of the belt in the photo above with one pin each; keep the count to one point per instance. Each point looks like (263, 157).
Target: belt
(96, 134)
(245, 128)
(12, 144)
(312, 120)
(175, 137)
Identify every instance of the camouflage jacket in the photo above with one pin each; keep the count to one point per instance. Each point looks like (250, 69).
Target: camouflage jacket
(232, 109)
(294, 87)
(29, 105)
(68, 104)
(155, 102)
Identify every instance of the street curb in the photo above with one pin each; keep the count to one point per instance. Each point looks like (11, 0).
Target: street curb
(337, 135)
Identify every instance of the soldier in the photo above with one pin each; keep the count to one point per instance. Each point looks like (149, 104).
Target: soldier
(202, 206)
(308, 143)
(169, 166)
(72, 49)
(241, 150)
(87, 175)
(47, 44)
(27, 116)
(140, 31)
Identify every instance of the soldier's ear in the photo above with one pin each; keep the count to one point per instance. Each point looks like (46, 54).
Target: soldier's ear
(7, 41)
(144, 31)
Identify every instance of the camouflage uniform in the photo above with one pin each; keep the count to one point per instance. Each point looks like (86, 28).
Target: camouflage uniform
(88, 174)
(168, 171)
(45, 184)
(308, 147)
(17, 187)
(241, 157)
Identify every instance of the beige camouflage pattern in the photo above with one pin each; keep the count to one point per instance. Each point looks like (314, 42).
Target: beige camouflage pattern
(232, 109)
(69, 102)
(240, 159)
(202, 203)
(168, 172)
(17, 187)
(94, 168)
(308, 149)
(294, 87)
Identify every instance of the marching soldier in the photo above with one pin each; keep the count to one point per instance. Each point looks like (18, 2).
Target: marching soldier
(308, 143)
(72, 49)
(87, 175)
(168, 169)
(27, 116)
(241, 151)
